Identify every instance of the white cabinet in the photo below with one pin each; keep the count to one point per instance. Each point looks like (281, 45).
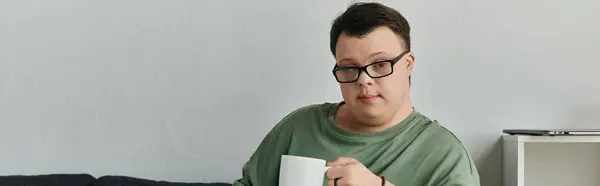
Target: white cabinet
(551, 160)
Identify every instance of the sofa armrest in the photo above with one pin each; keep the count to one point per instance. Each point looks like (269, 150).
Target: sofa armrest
(47, 180)
(131, 181)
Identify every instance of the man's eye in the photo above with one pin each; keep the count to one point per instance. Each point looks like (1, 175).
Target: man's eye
(349, 69)
(379, 65)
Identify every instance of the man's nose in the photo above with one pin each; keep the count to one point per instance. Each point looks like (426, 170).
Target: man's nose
(364, 79)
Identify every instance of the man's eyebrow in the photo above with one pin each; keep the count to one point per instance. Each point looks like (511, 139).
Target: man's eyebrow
(376, 53)
(350, 60)
(345, 59)
(370, 55)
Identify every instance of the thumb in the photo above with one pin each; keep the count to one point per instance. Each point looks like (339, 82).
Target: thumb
(342, 161)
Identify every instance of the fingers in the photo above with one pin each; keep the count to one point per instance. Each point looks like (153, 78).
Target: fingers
(342, 161)
(339, 169)
(335, 172)
(332, 183)
(340, 182)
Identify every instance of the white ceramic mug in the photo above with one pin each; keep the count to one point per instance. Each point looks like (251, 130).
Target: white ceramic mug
(301, 171)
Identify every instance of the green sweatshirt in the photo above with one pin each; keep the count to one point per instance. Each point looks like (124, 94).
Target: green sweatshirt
(416, 152)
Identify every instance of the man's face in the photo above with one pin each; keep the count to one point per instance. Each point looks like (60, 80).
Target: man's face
(375, 97)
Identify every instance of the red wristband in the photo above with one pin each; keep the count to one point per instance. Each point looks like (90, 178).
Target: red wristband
(382, 180)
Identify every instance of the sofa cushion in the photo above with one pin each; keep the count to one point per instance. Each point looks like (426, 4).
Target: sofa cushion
(47, 180)
(131, 181)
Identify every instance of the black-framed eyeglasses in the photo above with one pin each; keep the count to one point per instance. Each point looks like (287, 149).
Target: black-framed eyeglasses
(374, 70)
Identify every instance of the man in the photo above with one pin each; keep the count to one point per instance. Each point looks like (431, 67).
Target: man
(374, 136)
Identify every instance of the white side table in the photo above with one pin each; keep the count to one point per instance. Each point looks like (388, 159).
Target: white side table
(551, 160)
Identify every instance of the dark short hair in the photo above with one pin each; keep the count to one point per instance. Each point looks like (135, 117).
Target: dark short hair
(361, 18)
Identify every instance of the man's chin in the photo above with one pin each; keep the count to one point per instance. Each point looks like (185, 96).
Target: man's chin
(369, 112)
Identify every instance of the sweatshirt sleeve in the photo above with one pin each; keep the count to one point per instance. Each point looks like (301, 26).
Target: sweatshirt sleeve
(457, 168)
(462, 174)
(263, 166)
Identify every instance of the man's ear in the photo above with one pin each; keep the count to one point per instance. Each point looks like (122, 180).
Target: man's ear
(410, 58)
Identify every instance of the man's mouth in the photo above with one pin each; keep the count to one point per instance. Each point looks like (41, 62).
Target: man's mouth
(368, 98)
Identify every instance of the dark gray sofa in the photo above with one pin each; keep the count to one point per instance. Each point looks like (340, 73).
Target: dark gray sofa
(89, 180)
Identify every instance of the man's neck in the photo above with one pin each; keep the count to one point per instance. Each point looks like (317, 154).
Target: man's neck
(348, 121)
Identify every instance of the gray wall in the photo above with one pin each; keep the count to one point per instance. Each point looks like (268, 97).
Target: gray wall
(185, 90)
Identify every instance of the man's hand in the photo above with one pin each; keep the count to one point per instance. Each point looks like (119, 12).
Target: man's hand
(350, 172)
